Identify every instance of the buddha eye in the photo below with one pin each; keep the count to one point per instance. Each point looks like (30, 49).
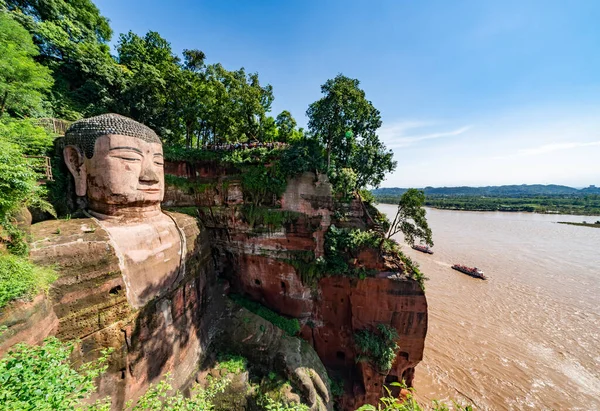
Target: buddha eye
(132, 159)
(159, 163)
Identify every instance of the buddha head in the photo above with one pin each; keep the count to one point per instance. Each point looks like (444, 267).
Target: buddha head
(116, 162)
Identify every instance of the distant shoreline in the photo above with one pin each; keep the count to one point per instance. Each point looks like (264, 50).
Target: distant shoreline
(595, 225)
(502, 209)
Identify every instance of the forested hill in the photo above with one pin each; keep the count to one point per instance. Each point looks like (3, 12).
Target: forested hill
(523, 190)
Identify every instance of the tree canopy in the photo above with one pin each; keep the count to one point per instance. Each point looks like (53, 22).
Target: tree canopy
(23, 81)
(346, 124)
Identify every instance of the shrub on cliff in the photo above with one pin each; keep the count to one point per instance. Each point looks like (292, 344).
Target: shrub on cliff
(19, 278)
(378, 347)
(18, 184)
(289, 325)
(407, 402)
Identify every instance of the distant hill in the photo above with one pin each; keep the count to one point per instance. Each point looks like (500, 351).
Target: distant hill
(524, 190)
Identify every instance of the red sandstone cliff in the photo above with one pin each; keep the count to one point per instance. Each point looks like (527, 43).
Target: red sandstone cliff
(258, 264)
(172, 333)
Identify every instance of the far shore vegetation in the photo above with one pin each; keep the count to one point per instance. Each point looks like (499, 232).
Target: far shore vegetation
(588, 204)
(582, 224)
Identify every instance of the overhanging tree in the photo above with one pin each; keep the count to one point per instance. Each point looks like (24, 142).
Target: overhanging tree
(410, 218)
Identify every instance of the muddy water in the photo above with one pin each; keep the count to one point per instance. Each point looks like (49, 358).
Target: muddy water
(529, 337)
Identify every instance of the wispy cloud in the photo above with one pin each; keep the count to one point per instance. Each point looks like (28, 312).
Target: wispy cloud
(396, 136)
(548, 148)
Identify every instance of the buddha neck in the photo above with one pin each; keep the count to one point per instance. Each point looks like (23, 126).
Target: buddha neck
(124, 213)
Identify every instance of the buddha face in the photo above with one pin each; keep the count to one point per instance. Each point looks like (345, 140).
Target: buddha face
(124, 171)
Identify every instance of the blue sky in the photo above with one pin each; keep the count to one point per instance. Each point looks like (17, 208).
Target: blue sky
(471, 92)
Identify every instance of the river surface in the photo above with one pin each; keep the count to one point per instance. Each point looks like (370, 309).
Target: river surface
(529, 336)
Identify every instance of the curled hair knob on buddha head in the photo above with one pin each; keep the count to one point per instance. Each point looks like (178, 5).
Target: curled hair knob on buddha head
(84, 133)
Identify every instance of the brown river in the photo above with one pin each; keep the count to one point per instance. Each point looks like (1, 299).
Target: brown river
(528, 337)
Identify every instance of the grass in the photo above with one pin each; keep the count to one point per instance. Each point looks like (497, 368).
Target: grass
(21, 279)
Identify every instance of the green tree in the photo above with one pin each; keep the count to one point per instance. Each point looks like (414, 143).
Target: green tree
(340, 117)
(268, 130)
(151, 87)
(23, 81)
(346, 123)
(410, 218)
(286, 125)
(72, 38)
(371, 161)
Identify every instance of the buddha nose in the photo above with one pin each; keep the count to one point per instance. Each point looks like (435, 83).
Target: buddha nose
(149, 176)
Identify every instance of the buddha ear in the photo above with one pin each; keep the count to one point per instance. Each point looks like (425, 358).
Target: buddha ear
(76, 165)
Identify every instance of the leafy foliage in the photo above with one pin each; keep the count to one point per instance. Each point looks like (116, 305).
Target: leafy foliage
(42, 377)
(161, 396)
(270, 404)
(31, 139)
(19, 278)
(378, 347)
(23, 81)
(18, 188)
(391, 403)
(410, 218)
(72, 39)
(289, 325)
(345, 123)
(257, 216)
(342, 245)
(233, 364)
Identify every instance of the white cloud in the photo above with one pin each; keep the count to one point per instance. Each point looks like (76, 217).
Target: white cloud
(547, 148)
(395, 135)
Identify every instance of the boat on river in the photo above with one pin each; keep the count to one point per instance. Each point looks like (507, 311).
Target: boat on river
(422, 248)
(472, 271)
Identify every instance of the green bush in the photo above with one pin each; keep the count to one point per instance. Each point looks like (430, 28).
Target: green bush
(233, 364)
(19, 278)
(269, 217)
(187, 185)
(270, 404)
(289, 325)
(379, 346)
(392, 403)
(18, 189)
(31, 139)
(42, 378)
(161, 397)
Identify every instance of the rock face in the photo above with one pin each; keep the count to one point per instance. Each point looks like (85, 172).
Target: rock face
(264, 263)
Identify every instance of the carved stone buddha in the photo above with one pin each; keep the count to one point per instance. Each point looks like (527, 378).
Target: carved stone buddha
(117, 163)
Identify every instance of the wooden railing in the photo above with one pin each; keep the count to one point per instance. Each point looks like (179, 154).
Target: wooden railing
(42, 165)
(55, 125)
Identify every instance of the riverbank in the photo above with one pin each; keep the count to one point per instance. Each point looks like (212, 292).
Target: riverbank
(596, 224)
(589, 206)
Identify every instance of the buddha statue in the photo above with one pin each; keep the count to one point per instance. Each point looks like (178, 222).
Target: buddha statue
(117, 164)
